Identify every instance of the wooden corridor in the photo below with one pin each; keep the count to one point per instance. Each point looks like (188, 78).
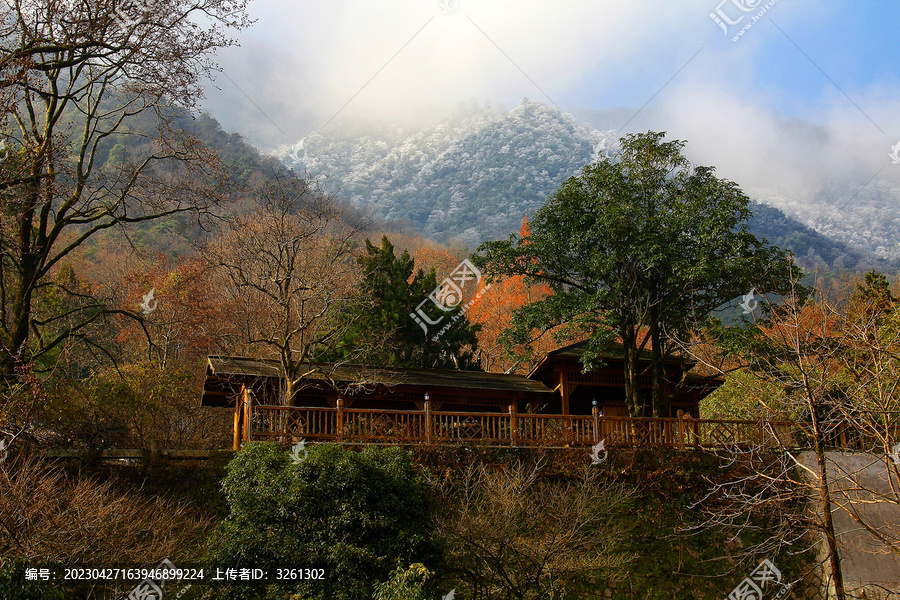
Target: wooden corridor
(340, 424)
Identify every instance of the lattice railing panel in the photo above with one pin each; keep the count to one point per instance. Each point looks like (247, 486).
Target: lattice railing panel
(395, 426)
(283, 423)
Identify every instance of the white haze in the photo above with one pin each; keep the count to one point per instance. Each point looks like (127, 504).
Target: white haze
(307, 62)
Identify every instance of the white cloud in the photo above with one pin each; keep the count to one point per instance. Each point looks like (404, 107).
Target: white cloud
(305, 61)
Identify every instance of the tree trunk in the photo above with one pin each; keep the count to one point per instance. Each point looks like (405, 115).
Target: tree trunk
(834, 557)
(657, 370)
(632, 377)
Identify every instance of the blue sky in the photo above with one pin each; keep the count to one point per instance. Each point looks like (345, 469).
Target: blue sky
(828, 65)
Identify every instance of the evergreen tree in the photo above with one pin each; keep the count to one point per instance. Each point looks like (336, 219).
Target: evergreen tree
(385, 330)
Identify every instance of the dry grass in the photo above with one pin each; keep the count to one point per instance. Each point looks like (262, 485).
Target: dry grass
(46, 513)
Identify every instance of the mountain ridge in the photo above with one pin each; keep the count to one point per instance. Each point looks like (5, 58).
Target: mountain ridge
(473, 175)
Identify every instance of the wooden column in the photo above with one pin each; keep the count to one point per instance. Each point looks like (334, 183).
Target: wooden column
(238, 411)
(564, 390)
(681, 430)
(339, 420)
(513, 425)
(247, 413)
(427, 422)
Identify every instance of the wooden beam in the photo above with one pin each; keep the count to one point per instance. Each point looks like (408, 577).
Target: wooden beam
(246, 402)
(564, 382)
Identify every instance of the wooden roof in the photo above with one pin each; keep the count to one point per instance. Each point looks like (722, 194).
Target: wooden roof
(574, 353)
(225, 374)
(612, 352)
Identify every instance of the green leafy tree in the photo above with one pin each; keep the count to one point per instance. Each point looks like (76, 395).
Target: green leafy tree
(637, 248)
(394, 288)
(405, 584)
(875, 293)
(354, 514)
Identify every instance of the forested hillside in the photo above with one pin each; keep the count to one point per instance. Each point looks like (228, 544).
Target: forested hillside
(472, 177)
(858, 213)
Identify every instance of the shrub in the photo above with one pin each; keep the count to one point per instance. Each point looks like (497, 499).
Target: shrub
(354, 514)
(518, 532)
(138, 406)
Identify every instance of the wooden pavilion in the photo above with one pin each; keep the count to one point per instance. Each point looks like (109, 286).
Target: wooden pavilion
(557, 403)
(372, 388)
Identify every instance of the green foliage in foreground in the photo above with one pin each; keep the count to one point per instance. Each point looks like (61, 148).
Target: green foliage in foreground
(356, 514)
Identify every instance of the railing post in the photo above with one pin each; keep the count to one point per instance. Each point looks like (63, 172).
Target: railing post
(339, 420)
(247, 415)
(680, 430)
(595, 411)
(513, 425)
(427, 422)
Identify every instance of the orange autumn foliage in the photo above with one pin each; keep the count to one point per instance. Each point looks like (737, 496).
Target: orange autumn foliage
(494, 312)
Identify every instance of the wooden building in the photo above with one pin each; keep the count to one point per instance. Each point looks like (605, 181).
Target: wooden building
(577, 392)
(556, 385)
(373, 387)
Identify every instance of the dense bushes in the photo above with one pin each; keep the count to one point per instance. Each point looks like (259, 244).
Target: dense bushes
(358, 515)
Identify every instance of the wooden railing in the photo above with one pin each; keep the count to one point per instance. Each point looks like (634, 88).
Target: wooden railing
(286, 424)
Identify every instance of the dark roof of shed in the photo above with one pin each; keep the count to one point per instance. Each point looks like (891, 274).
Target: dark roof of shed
(245, 369)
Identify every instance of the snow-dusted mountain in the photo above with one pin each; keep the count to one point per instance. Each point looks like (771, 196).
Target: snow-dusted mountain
(473, 175)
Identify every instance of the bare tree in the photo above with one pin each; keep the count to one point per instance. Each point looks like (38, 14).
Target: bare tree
(291, 266)
(49, 515)
(89, 93)
(835, 366)
(513, 533)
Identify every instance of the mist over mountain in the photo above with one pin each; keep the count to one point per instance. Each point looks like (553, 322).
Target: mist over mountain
(472, 175)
